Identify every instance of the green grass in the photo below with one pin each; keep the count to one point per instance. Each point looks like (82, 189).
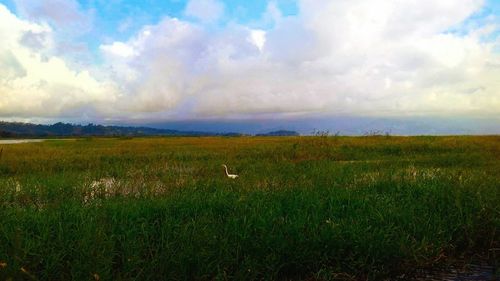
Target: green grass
(302, 208)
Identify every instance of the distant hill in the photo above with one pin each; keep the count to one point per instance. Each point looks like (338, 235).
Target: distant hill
(280, 133)
(16, 129)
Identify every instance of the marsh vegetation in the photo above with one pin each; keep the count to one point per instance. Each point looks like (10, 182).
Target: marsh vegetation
(321, 208)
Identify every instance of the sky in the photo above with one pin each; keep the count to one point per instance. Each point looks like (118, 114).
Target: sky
(144, 61)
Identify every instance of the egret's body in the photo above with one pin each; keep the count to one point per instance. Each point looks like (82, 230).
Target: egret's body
(231, 176)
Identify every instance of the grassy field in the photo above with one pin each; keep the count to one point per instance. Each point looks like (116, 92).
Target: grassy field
(317, 208)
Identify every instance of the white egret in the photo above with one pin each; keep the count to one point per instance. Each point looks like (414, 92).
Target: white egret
(231, 176)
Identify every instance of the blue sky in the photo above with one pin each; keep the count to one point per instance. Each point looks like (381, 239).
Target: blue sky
(145, 61)
(131, 15)
(110, 15)
(136, 13)
(120, 19)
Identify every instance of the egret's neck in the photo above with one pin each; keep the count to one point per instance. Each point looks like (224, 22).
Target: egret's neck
(226, 170)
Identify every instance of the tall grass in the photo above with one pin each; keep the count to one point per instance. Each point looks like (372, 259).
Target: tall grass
(302, 208)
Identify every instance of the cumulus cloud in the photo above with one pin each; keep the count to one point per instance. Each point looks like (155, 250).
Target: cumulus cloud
(361, 57)
(341, 57)
(33, 82)
(69, 23)
(258, 38)
(63, 14)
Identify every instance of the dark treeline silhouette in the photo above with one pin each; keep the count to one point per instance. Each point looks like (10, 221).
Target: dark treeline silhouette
(16, 129)
(280, 133)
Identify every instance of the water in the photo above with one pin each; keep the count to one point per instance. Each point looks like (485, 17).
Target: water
(20, 141)
(471, 272)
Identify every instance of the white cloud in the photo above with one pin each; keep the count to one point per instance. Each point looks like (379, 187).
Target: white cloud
(33, 82)
(69, 23)
(205, 10)
(258, 38)
(62, 14)
(158, 75)
(118, 49)
(342, 57)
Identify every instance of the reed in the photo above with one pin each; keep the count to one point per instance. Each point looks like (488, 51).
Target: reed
(325, 208)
